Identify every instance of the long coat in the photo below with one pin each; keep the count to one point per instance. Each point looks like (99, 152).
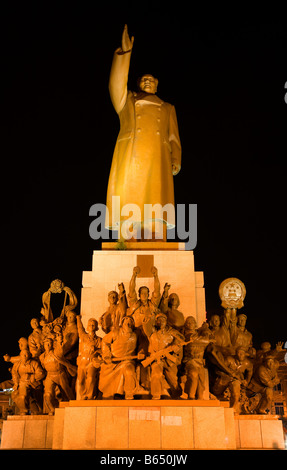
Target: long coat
(116, 344)
(147, 145)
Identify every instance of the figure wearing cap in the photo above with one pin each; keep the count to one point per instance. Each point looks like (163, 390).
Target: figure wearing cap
(239, 335)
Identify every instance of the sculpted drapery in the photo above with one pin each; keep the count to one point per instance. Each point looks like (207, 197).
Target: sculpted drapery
(148, 150)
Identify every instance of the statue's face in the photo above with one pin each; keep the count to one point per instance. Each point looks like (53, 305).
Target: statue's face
(34, 323)
(241, 354)
(91, 326)
(71, 317)
(25, 355)
(173, 300)
(144, 294)
(241, 320)
(148, 84)
(128, 324)
(215, 321)
(23, 343)
(269, 363)
(113, 298)
(190, 323)
(161, 322)
(266, 347)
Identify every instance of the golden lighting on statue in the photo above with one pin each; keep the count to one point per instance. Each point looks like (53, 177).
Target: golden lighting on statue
(148, 150)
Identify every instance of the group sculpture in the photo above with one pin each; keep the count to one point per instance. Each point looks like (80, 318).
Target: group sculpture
(149, 350)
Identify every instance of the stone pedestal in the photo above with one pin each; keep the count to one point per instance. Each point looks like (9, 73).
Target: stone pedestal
(259, 432)
(174, 265)
(27, 432)
(144, 424)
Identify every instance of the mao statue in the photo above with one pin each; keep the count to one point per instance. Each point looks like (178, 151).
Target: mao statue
(148, 149)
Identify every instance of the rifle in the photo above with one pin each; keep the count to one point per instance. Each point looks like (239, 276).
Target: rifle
(165, 353)
(158, 355)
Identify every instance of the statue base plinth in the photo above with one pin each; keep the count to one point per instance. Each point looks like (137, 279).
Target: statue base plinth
(145, 245)
(259, 432)
(144, 425)
(27, 432)
(111, 266)
(162, 424)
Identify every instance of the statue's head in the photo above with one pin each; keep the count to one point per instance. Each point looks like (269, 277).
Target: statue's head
(92, 325)
(190, 323)
(143, 294)
(148, 83)
(269, 362)
(128, 323)
(25, 355)
(48, 344)
(266, 346)
(214, 321)
(71, 316)
(242, 318)
(34, 323)
(161, 321)
(23, 343)
(113, 297)
(241, 353)
(173, 300)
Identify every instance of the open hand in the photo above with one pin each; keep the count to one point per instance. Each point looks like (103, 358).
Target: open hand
(127, 43)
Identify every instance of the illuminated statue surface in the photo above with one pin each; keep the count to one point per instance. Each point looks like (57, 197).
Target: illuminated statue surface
(148, 150)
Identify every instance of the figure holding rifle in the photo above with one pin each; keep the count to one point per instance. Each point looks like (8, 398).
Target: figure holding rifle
(165, 356)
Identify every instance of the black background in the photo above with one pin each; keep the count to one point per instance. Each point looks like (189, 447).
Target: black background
(225, 73)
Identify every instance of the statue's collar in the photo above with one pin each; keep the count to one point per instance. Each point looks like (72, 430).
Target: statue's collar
(147, 97)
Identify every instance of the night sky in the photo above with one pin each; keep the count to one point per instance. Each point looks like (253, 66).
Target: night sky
(225, 74)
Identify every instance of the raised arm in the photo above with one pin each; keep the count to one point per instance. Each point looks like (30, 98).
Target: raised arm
(163, 305)
(120, 71)
(80, 326)
(132, 295)
(155, 298)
